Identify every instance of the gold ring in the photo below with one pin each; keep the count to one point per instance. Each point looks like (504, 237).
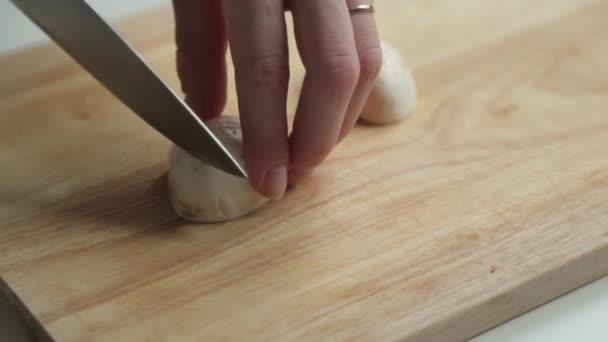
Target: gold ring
(361, 9)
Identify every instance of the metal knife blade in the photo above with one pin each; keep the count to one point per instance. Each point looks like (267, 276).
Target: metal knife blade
(85, 36)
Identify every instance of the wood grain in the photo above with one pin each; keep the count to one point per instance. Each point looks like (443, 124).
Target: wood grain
(489, 201)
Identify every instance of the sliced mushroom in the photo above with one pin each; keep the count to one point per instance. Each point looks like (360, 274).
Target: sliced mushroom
(200, 192)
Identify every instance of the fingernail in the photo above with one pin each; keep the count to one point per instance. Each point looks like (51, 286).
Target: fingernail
(275, 182)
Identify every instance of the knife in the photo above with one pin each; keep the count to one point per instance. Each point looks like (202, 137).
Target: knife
(89, 40)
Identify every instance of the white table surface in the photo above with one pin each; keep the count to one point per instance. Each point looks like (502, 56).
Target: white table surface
(579, 316)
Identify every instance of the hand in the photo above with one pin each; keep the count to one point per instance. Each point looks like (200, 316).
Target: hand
(342, 56)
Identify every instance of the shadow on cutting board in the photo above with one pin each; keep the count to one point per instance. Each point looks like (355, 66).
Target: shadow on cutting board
(137, 201)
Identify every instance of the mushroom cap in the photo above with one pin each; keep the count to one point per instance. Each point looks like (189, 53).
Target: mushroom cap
(393, 95)
(202, 193)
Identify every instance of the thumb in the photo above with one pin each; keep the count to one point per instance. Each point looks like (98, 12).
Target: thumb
(200, 34)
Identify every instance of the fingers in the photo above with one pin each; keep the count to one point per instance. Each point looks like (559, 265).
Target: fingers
(367, 41)
(258, 40)
(200, 34)
(341, 54)
(326, 43)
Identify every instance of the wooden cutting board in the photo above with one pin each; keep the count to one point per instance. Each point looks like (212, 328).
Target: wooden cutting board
(490, 200)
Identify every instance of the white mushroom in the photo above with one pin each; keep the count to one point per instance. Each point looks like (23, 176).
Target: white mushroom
(200, 192)
(393, 96)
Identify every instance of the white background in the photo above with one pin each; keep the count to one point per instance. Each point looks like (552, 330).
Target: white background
(579, 316)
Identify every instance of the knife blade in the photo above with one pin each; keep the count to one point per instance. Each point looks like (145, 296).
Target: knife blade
(89, 40)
